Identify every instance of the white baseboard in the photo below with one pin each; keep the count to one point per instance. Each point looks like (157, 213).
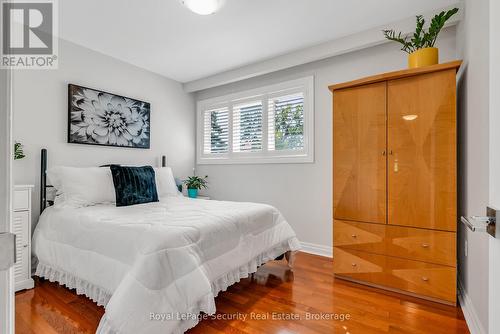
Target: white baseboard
(470, 314)
(25, 284)
(316, 249)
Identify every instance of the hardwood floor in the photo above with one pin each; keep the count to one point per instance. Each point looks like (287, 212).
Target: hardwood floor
(309, 290)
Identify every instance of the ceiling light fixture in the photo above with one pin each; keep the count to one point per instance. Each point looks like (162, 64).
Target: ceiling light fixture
(203, 7)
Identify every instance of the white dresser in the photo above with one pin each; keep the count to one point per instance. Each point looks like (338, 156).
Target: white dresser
(21, 227)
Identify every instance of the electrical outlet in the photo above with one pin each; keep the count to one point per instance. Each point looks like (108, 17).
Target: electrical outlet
(466, 248)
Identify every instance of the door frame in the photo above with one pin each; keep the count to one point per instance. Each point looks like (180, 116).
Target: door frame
(7, 313)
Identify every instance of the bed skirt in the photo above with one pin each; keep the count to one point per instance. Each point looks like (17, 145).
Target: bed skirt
(82, 287)
(225, 281)
(205, 305)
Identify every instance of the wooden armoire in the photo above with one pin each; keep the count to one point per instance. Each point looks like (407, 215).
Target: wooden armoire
(395, 181)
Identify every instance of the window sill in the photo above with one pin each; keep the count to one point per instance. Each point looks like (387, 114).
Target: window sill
(254, 160)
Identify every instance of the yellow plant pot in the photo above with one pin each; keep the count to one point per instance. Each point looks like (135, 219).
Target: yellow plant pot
(423, 57)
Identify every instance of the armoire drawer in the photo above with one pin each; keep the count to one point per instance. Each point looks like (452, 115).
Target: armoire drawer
(421, 278)
(410, 243)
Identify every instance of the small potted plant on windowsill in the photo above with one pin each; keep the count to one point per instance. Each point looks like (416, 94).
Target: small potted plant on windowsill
(420, 45)
(195, 183)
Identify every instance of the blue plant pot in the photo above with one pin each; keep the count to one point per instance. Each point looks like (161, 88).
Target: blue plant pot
(192, 193)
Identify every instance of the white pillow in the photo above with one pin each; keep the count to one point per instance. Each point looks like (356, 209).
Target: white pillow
(82, 186)
(165, 182)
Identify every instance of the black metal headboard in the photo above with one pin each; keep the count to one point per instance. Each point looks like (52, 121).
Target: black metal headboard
(43, 180)
(44, 202)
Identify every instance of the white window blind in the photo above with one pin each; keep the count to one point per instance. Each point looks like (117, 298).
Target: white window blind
(272, 124)
(216, 131)
(247, 127)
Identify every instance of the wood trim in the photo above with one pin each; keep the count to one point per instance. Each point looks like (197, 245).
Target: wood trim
(397, 75)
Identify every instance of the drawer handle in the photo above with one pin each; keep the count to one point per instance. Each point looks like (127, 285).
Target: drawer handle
(425, 245)
(354, 236)
(425, 279)
(354, 265)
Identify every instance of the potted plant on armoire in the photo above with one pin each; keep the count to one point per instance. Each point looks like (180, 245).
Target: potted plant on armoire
(420, 45)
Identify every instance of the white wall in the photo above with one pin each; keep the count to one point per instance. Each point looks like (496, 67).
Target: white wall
(303, 192)
(472, 46)
(41, 115)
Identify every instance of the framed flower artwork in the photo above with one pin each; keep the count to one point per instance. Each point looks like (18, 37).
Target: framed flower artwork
(100, 118)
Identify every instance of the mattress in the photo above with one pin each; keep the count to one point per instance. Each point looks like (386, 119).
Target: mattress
(156, 266)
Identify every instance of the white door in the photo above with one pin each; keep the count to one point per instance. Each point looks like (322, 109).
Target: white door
(494, 154)
(6, 277)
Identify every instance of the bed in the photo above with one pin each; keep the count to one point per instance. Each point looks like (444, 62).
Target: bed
(156, 266)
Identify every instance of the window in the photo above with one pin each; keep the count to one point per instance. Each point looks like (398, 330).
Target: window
(286, 125)
(272, 124)
(216, 135)
(247, 127)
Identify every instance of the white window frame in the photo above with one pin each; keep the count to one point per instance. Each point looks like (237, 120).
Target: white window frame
(304, 85)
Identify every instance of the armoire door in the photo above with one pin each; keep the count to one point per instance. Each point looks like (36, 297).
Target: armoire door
(422, 151)
(359, 153)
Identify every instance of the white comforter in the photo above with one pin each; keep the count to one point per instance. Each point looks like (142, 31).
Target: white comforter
(156, 266)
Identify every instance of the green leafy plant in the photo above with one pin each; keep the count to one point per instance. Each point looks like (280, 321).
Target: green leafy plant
(421, 38)
(196, 182)
(289, 127)
(18, 151)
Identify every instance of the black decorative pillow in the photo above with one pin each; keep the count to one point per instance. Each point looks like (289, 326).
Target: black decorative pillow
(134, 185)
